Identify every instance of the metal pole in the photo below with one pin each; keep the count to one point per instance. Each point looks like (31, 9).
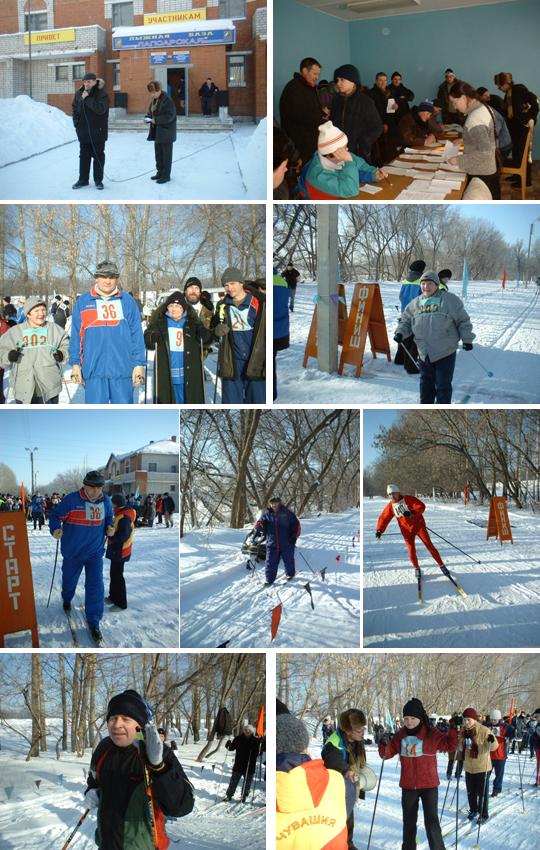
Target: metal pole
(29, 13)
(327, 273)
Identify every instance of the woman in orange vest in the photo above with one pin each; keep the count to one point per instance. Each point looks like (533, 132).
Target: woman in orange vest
(408, 511)
(119, 550)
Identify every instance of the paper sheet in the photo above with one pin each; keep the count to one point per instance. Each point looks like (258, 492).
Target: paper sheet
(453, 176)
(450, 150)
(371, 190)
(390, 105)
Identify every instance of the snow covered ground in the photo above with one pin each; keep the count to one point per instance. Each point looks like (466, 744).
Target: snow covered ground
(507, 327)
(42, 817)
(151, 618)
(206, 165)
(222, 601)
(502, 606)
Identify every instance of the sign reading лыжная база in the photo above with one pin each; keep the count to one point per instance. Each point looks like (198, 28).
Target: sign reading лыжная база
(172, 38)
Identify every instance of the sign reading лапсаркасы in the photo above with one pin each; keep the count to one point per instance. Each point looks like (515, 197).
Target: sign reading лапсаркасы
(187, 38)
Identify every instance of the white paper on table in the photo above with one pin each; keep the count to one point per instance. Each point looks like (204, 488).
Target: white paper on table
(371, 190)
(447, 185)
(413, 150)
(455, 177)
(395, 169)
(433, 144)
(419, 175)
(450, 150)
(448, 167)
(424, 166)
(390, 105)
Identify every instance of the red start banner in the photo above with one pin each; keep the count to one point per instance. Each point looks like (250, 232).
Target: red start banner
(16, 583)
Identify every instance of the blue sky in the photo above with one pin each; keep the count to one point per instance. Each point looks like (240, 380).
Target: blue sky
(373, 419)
(513, 220)
(71, 438)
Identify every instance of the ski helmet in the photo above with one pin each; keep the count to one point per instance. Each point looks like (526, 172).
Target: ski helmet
(94, 479)
(392, 488)
(495, 715)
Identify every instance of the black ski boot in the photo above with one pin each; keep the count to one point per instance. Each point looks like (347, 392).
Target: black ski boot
(96, 634)
(66, 606)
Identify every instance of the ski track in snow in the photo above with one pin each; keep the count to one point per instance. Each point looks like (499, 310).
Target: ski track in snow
(220, 600)
(151, 618)
(41, 818)
(502, 607)
(507, 327)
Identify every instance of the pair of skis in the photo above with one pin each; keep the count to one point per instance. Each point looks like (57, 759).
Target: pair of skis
(73, 629)
(445, 571)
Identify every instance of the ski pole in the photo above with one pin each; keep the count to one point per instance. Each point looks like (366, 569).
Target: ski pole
(79, 824)
(315, 572)
(521, 781)
(475, 560)
(457, 810)
(409, 355)
(145, 373)
(218, 366)
(481, 814)
(375, 805)
(445, 796)
(53, 575)
(488, 373)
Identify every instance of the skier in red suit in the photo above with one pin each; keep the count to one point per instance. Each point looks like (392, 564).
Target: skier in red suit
(408, 511)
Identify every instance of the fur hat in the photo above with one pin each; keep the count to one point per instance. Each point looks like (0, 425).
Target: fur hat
(130, 704)
(417, 266)
(291, 734)
(330, 138)
(445, 273)
(118, 500)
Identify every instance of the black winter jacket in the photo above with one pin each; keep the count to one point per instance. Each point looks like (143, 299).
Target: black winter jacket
(357, 116)
(164, 130)
(247, 749)
(300, 114)
(91, 114)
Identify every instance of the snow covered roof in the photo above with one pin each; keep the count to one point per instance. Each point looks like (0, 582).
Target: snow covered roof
(174, 26)
(50, 54)
(157, 447)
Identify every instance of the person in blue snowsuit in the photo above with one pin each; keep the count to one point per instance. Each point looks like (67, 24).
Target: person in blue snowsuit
(37, 508)
(410, 288)
(106, 347)
(81, 521)
(281, 528)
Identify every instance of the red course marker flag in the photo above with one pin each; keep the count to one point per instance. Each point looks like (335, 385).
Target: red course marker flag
(276, 617)
(260, 722)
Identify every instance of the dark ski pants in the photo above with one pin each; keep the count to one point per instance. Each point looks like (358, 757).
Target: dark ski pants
(108, 390)
(243, 391)
(163, 154)
(37, 399)
(498, 769)
(450, 767)
(38, 519)
(93, 585)
(436, 380)
(207, 105)
(87, 153)
(273, 557)
(117, 586)
(236, 776)
(409, 804)
(477, 792)
(406, 354)
(410, 542)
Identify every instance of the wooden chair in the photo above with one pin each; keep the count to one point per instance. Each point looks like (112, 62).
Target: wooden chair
(521, 170)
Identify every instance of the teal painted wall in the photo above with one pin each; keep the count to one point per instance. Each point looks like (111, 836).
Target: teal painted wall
(476, 42)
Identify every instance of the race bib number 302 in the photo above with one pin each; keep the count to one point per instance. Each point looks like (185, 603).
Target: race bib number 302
(109, 311)
(95, 513)
(35, 337)
(176, 339)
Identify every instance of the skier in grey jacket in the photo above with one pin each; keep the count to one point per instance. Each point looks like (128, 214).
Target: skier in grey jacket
(438, 321)
(34, 351)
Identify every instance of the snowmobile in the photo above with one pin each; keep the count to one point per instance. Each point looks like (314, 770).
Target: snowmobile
(254, 546)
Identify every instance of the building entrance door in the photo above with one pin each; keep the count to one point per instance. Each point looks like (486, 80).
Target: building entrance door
(177, 88)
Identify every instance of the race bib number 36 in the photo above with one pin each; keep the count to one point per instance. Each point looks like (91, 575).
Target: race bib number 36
(35, 337)
(109, 311)
(176, 339)
(95, 513)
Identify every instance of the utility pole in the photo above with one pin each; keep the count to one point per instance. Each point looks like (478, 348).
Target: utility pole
(35, 449)
(529, 250)
(29, 14)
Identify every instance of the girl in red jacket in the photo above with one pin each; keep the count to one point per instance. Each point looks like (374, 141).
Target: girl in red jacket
(417, 744)
(408, 511)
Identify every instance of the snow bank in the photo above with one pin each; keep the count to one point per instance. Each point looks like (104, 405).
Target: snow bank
(252, 162)
(30, 127)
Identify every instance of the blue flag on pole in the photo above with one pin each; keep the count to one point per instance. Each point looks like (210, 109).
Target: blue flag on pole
(465, 279)
(388, 719)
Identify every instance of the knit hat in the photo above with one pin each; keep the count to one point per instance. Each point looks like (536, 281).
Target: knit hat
(281, 708)
(291, 734)
(432, 276)
(347, 72)
(32, 302)
(481, 90)
(392, 488)
(177, 298)
(90, 76)
(426, 106)
(192, 281)
(445, 273)
(118, 500)
(449, 71)
(94, 479)
(417, 266)
(470, 712)
(130, 704)
(495, 715)
(232, 275)
(414, 708)
(330, 138)
(106, 269)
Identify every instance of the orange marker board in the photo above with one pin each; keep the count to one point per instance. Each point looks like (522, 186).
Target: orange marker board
(365, 319)
(498, 520)
(311, 344)
(16, 582)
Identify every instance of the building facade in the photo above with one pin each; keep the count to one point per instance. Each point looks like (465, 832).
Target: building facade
(150, 469)
(46, 47)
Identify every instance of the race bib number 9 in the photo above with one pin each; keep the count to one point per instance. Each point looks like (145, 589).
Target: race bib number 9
(109, 311)
(35, 337)
(95, 513)
(176, 339)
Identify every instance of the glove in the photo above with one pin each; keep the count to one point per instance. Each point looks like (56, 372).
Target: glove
(407, 513)
(221, 330)
(58, 356)
(91, 798)
(147, 120)
(467, 346)
(153, 744)
(153, 338)
(398, 337)
(384, 739)
(15, 355)
(378, 535)
(491, 739)
(227, 745)
(57, 533)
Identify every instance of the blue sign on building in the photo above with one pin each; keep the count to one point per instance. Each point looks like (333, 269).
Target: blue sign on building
(180, 58)
(188, 38)
(158, 59)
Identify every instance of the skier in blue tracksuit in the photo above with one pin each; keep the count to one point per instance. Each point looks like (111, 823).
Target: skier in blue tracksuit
(106, 347)
(81, 521)
(282, 529)
(37, 509)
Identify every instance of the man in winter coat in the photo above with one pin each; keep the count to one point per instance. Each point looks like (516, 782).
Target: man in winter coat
(206, 93)
(291, 275)
(449, 113)
(476, 743)
(521, 113)
(177, 335)
(34, 351)
(355, 113)
(535, 740)
(161, 118)
(61, 314)
(240, 324)
(135, 781)
(503, 733)
(408, 511)
(327, 728)
(407, 352)
(281, 528)
(91, 119)
(281, 338)
(37, 509)
(418, 128)
(300, 109)
(4, 328)
(202, 304)
(106, 347)
(401, 94)
(444, 276)
(438, 321)
(168, 510)
(246, 746)
(119, 549)
(82, 521)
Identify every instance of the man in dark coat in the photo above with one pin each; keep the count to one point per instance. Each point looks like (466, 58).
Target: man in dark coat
(206, 93)
(386, 146)
(61, 314)
(161, 117)
(520, 111)
(401, 94)
(418, 127)
(291, 275)
(281, 528)
(91, 119)
(246, 746)
(300, 108)
(118, 550)
(355, 113)
(450, 115)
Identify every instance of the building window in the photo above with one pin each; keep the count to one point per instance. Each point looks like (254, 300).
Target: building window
(122, 14)
(62, 72)
(237, 71)
(174, 468)
(172, 489)
(38, 21)
(116, 75)
(232, 8)
(152, 467)
(79, 71)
